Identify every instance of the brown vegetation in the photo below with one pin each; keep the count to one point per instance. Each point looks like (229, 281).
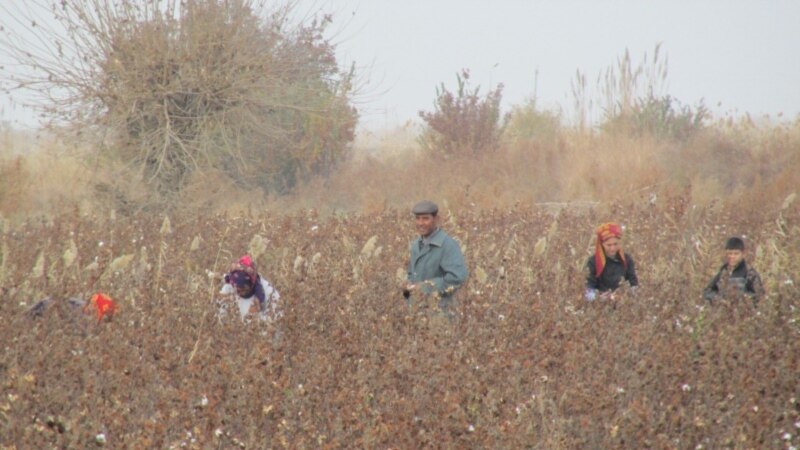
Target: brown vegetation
(175, 90)
(527, 365)
(545, 163)
(463, 122)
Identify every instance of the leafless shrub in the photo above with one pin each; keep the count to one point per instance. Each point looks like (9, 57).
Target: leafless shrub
(175, 88)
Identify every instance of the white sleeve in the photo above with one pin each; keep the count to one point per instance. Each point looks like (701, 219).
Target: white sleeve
(227, 289)
(270, 292)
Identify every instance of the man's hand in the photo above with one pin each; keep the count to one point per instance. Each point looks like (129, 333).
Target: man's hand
(607, 295)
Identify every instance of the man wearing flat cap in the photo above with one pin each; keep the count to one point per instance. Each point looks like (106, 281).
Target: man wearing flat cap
(437, 265)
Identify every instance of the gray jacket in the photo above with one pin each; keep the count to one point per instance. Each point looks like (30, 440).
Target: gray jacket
(438, 265)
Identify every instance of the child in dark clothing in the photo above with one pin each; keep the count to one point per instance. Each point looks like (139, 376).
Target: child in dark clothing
(735, 278)
(609, 265)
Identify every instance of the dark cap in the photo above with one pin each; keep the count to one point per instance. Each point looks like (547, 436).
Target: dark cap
(425, 207)
(735, 243)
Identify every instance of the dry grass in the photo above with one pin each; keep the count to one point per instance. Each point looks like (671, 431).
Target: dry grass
(726, 162)
(729, 161)
(40, 176)
(528, 365)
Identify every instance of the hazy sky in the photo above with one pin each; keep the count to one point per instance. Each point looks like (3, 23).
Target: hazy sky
(744, 55)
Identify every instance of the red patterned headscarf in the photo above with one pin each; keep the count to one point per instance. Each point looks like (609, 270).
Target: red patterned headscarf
(246, 266)
(605, 232)
(244, 271)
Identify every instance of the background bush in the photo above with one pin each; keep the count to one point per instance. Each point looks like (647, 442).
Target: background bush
(529, 124)
(463, 122)
(663, 118)
(176, 89)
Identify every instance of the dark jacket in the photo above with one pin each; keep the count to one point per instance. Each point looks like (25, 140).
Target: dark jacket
(613, 274)
(742, 280)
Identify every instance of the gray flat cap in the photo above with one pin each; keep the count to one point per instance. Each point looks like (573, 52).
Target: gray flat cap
(425, 207)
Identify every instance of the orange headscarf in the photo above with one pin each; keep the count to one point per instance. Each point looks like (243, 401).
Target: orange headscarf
(103, 305)
(605, 232)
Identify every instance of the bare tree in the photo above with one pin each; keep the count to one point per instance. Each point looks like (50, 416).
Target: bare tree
(178, 87)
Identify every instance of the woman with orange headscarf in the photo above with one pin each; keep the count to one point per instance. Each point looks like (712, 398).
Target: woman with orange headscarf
(609, 266)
